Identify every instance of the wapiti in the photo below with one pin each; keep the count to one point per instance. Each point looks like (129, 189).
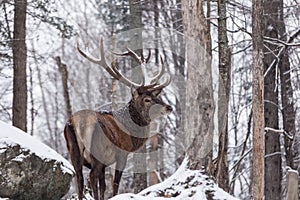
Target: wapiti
(97, 139)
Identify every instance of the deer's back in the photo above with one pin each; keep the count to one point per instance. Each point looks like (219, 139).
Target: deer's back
(100, 135)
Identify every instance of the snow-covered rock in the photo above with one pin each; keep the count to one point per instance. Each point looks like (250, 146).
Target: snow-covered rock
(184, 184)
(30, 169)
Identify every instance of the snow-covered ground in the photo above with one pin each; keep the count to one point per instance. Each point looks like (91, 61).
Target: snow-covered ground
(12, 135)
(184, 184)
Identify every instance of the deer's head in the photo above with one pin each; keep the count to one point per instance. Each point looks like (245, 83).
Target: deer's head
(147, 105)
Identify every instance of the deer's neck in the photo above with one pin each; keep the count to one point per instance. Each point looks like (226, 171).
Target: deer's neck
(137, 116)
(132, 122)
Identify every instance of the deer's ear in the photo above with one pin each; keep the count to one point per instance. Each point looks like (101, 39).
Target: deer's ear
(156, 92)
(134, 93)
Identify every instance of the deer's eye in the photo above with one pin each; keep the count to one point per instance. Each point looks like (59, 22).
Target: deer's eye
(147, 100)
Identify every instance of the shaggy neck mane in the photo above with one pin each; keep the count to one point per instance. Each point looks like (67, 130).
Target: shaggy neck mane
(132, 121)
(136, 115)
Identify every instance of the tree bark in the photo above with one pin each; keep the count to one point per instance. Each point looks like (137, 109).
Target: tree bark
(19, 64)
(135, 18)
(258, 104)
(64, 78)
(199, 99)
(288, 111)
(223, 101)
(272, 143)
(32, 110)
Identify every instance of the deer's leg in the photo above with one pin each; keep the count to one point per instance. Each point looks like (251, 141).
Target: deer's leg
(79, 180)
(94, 175)
(79, 177)
(118, 175)
(76, 159)
(121, 162)
(102, 182)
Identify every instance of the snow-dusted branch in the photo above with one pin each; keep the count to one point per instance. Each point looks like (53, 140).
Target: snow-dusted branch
(279, 131)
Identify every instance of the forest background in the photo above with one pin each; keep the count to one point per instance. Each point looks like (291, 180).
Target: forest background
(53, 27)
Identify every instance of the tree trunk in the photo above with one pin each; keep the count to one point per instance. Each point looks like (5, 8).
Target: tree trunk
(19, 63)
(135, 20)
(288, 111)
(64, 78)
(223, 101)
(32, 109)
(258, 102)
(199, 99)
(272, 144)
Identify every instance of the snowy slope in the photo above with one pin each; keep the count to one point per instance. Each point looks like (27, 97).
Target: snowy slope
(12, 135)
(184, 184)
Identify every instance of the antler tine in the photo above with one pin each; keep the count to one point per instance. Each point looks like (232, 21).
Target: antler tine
(101, 61)
(164, 84)
(113, 71)
(137, 59)
(123, 78)
(134, 55)
(87, 55)
(129, 53)
(148, 57)
(142, 57)
(126, 81)
(160, 73)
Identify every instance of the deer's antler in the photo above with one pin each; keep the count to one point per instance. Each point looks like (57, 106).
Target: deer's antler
(114, 72)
